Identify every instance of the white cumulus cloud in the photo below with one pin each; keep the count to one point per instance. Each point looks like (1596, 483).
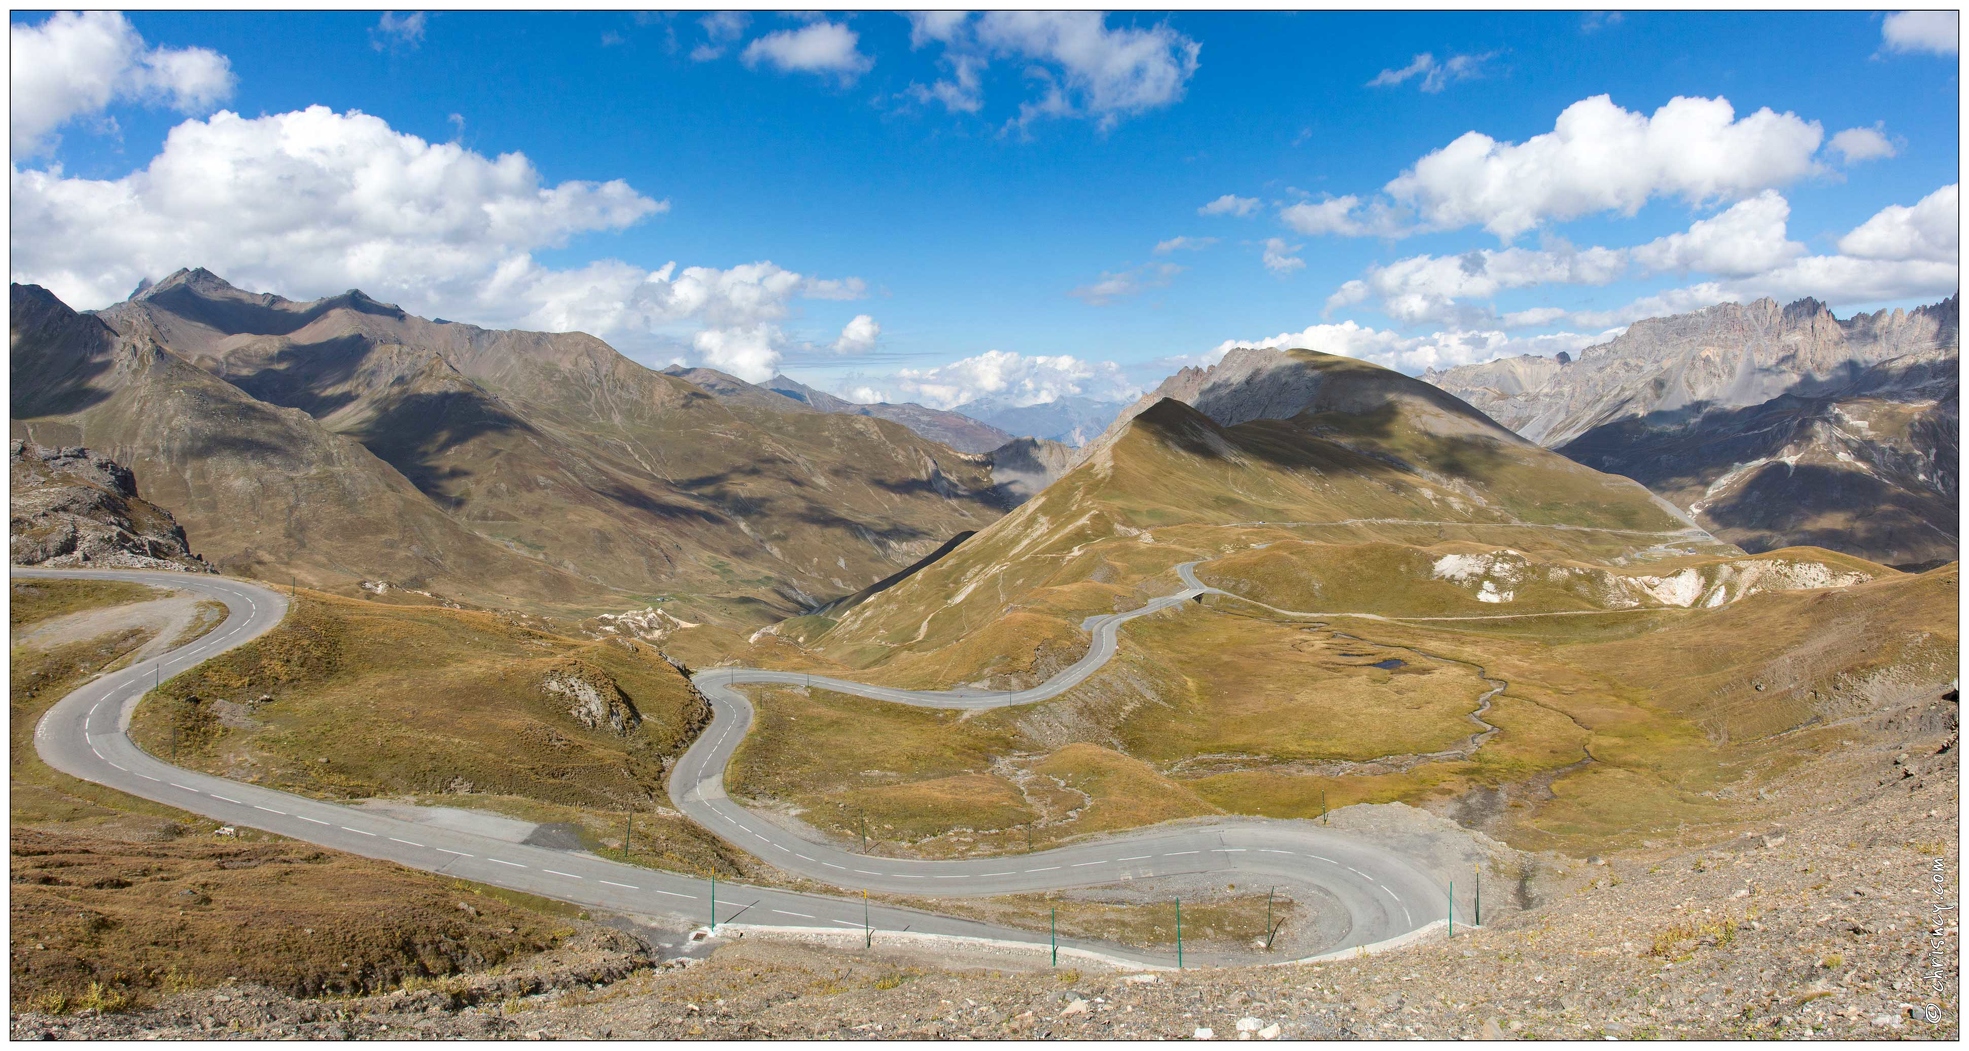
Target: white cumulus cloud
(1748, 238)
(1862, 144)
(1414, 354)
(1933, 32)
(1015, 380)
(310, 202)
(1083, 67)
(77, 64)
(721, 30)
(313, 202)
(1231, 204)
(824, 48)
(395, 30)
(858, 336)
(1278, 257)
(1431, 288)
(1602, 158)
(1927, 231)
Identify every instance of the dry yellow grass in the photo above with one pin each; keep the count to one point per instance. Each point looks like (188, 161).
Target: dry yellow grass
(406, 700)
(33, 600)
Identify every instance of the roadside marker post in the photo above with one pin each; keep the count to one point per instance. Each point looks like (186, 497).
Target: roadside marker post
(864, 832)
(1269, 929)
(1480, 894)
(628, 830)
(1179, 934)
(1452, 908)
(1056, 937)
(1323, 806)
(714, 901)
(867, 932)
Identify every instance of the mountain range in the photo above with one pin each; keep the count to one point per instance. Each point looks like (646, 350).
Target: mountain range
(343, 439)
(1264, 447)
(1069, 420)
(784, 394)
(1772, 425)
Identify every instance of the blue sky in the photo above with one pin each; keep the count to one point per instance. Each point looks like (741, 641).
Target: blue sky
(944, 209)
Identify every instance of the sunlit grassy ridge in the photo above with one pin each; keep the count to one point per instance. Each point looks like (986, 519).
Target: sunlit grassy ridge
(402, 700)
(1441, 558)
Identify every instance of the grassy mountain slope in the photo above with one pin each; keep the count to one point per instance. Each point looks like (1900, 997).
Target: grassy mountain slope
(565, 455)
(1376, 456)
(261, 490)
(1498, 633)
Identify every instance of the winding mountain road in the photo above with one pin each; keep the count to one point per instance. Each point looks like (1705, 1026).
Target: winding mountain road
(1363, 893)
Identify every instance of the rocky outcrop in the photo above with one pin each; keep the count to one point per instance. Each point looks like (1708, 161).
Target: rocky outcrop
(73, 508)
(1024, 466)
(592, 698)
(1774, 426)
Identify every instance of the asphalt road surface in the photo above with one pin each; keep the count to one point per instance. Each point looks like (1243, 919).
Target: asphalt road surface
(1383, 896)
